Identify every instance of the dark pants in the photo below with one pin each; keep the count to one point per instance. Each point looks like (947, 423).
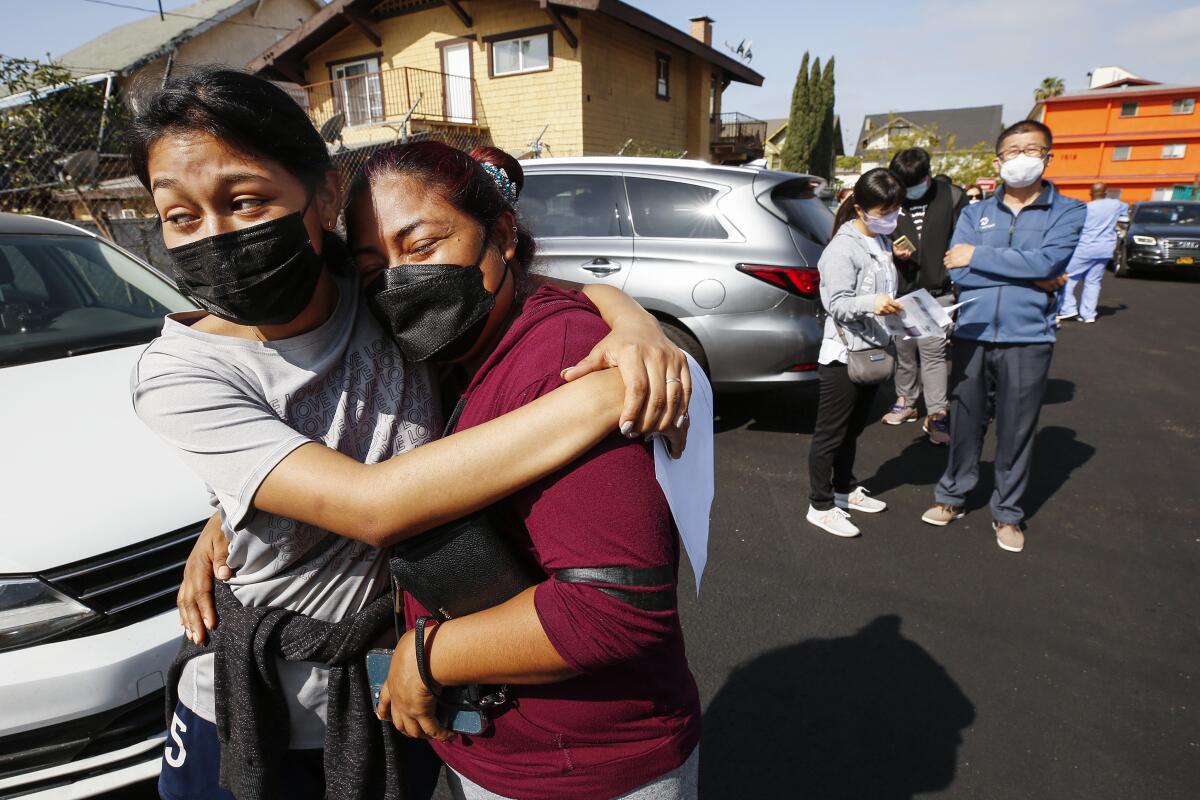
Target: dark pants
(841, 416)
(1018, 373)
(192, 764)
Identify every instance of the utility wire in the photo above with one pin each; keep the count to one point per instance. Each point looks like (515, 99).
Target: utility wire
(185, 16)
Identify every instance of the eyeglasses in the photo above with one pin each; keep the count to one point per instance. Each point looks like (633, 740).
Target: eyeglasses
(1035, 150)
(973, 195)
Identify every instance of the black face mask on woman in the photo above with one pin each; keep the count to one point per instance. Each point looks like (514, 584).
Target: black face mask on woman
(262, 275)
(434, 311)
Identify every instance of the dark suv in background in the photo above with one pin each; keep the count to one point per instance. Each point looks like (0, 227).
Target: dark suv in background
(725, 257)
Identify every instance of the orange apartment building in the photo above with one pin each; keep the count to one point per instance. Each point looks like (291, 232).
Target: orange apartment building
(1140, 137)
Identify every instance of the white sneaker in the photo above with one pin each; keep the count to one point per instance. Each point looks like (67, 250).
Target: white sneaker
(835, 521)
(858, 501)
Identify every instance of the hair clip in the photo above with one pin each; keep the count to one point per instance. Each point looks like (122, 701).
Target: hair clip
(507, 188)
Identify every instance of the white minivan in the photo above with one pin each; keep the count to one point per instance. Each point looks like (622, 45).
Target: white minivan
(96, 516)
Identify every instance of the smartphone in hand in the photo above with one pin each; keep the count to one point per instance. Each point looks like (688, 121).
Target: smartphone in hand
(904, 245)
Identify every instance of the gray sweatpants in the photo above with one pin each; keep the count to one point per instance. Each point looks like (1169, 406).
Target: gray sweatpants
(1018, 372)
(681, 783)
(921, 365)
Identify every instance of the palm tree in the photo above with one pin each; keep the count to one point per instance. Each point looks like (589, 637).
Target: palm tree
(1050, 87)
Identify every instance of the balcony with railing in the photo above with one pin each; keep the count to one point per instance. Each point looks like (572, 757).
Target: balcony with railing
(737, 138)
(391, 96)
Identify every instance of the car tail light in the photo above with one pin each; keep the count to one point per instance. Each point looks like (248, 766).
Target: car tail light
(802, 281)
(802, 368)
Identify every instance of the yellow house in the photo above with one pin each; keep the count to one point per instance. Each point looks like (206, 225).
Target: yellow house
(578, 77)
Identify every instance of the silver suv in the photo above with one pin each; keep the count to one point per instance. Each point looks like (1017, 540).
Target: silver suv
(725, 257)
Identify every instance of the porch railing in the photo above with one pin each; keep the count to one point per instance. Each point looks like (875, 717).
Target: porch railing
(735, 129)
(385, 97)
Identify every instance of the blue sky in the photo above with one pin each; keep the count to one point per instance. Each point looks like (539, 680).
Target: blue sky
(891, 56)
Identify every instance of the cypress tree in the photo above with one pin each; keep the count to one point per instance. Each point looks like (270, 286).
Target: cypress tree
(794, 156)
(822, 159)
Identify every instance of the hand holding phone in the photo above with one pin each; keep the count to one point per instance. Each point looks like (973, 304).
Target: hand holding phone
(903, 247)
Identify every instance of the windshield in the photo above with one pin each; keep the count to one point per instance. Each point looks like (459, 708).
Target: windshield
(1169, 214)
(68, 295)
(805, 211)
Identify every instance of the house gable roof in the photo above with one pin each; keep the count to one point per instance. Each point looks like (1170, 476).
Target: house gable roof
(284, 56)
(129, 46)
(969, 126)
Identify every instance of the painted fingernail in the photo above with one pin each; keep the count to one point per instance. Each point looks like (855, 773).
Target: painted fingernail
(631, 435)
(626, 427)
(682, 418)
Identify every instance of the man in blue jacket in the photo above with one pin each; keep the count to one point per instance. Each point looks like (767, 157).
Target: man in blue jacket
(1007, 258)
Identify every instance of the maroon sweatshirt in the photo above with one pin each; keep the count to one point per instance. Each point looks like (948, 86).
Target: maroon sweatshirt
(634, 712)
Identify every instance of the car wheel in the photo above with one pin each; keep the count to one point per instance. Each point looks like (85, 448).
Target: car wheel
(685, 342)
(1121, 267)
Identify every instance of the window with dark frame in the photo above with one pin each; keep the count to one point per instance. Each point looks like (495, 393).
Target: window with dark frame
(662, 85)
(1129, 109)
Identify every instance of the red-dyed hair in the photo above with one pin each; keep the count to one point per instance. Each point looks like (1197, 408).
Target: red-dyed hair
(459, 178)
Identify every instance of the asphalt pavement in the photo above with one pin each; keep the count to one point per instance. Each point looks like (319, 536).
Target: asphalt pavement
(926, 661)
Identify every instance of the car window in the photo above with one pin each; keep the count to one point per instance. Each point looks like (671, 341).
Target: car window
(573, 205)
(1169, 214)
(24, 276)
(67, 295)
(805, 211)
(673, 209)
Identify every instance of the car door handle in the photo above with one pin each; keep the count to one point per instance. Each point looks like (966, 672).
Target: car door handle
(601, 266)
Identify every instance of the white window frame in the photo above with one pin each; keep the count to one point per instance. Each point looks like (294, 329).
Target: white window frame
(1191, 107)
(372, 96)
(1126, 149)
(523, 70)
(1136, 108)
(1174, 150)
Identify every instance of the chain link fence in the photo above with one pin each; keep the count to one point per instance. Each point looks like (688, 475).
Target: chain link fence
(62, 143)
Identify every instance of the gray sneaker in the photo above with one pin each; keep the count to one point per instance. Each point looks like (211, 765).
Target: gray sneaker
(900, 412)
(937, 426)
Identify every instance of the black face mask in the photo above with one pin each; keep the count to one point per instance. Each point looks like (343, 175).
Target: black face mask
(262, 275)
(434, 311)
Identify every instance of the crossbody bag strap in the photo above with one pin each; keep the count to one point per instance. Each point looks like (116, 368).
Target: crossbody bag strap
(650, 580)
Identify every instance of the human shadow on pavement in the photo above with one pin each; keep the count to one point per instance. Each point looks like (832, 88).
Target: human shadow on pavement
(1058, 390)
(1057, 452)
(921, 463)
(871, 716)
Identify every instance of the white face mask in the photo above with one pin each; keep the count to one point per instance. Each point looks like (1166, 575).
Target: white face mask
(1022, 171)
(882, 226)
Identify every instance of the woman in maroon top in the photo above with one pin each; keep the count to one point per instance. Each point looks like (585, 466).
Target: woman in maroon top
(604, 703)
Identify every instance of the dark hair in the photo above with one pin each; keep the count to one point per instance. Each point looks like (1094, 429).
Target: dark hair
(252, 115)
(874, 189)
(462, 182)
(911, 166)
(1025, 126)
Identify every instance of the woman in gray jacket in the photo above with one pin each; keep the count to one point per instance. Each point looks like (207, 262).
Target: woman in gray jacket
(858, 284)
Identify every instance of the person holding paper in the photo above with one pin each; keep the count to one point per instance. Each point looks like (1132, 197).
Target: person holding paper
(597, 665)
(928, 214)
(1007, 258)
(858, 286)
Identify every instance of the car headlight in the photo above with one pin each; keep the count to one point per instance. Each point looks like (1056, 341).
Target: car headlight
(1150, 240)
(31, 611)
